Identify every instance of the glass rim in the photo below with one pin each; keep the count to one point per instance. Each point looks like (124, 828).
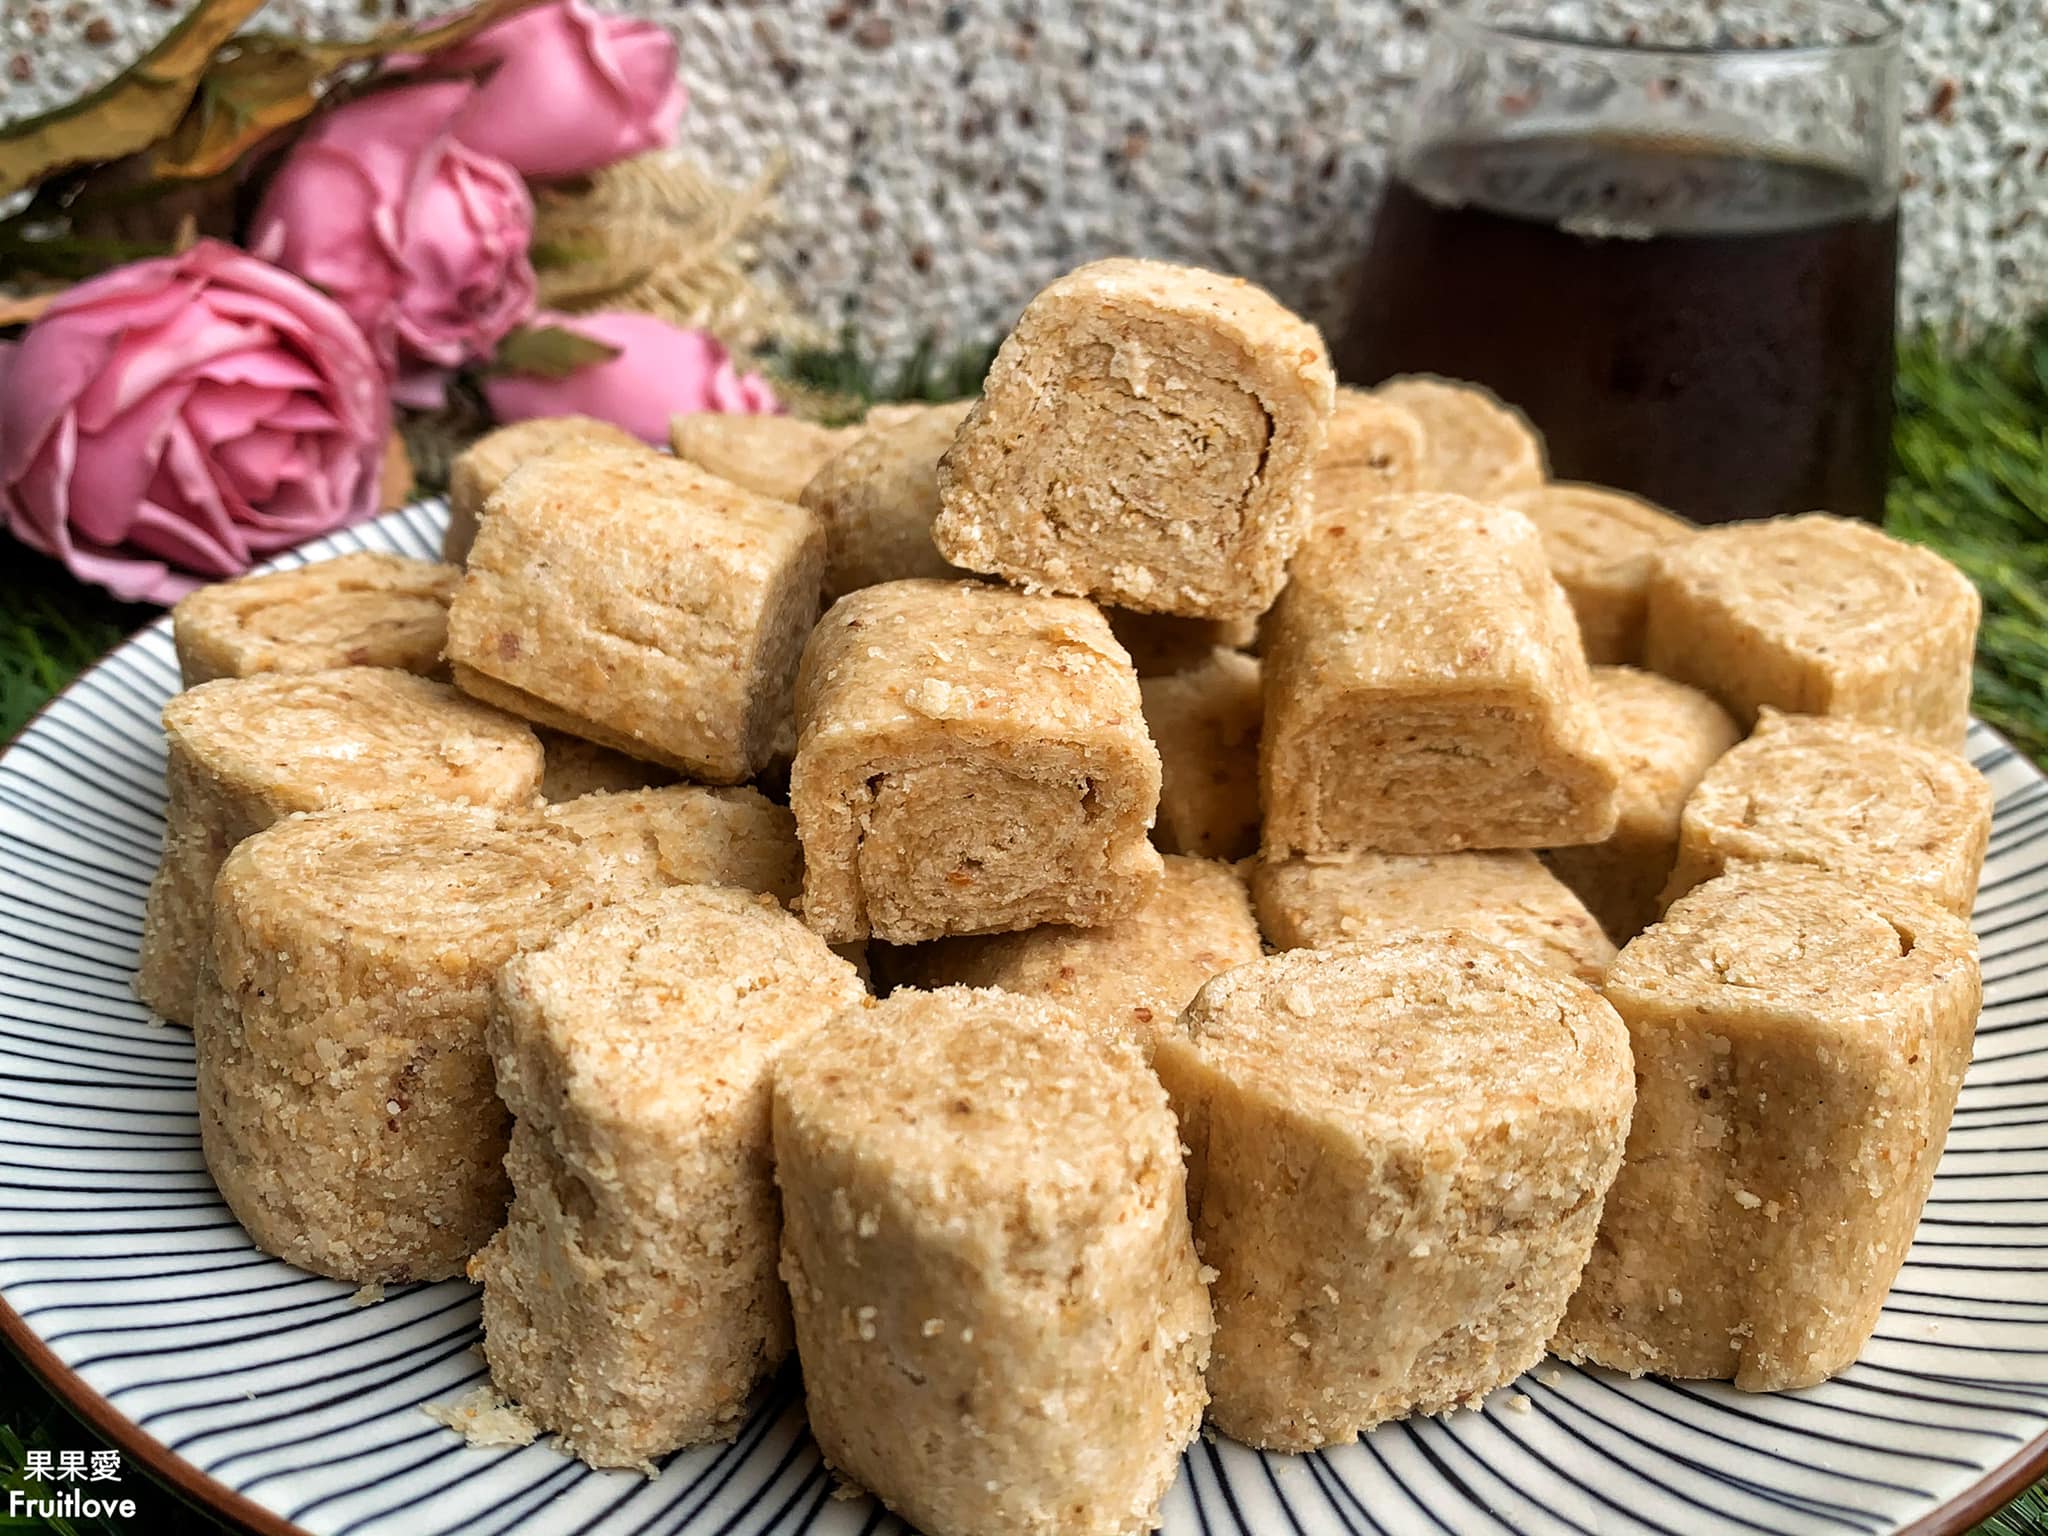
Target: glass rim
(1885, 29)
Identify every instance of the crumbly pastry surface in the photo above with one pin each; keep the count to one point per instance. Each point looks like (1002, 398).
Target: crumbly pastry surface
(1163, 643)
(687, 834)
(573, 767)
(346, 1102)
(639, 602)
(478, 471)
(1473, 444)
(877, 498)
(1397, 1158)
(773, 456)
(241, 753)
(1426, 691)
(1600, 543)
(1338, 901)
(1799, 1045)
(1129, 978)
(985, 1223)
(1145, 437)
(1866, 803)
(1817, 615)
(367, 609)
(1205, 723)
(631, 1301)
(970, 759)
(1665, 736)
(1373, 448)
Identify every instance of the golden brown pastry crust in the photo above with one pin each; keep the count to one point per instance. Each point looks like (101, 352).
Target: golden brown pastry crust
(1600, 543)
(1205, 722)
(1474, 445)
(478, 471)
(773, 456)
(877, 498)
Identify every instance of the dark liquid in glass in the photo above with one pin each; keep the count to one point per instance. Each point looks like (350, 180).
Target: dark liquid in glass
(1707, 328)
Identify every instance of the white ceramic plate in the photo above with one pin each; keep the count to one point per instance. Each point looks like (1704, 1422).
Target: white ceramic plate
(266, 1394)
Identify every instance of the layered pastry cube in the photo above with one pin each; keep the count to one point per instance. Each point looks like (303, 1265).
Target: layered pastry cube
(1817, 615)
(1344, 900)
(998, 1307)
(1129, 978)
(1425, 690)
(346, 1101)
(877, 498)
(631, 1302)
(1397, 1158)
(1799, 1044)
(773, 456)
(969, 760)
(367, 609)
(1373, 448)
(1145, 437)
(478, 471)
(1205, 722)
(1601, 544)
(643, 604)
(1666, 737)
(687, 834)
(241, 753)
(1867, 803)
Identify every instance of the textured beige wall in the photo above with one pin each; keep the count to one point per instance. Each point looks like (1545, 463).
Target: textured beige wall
(947, 158)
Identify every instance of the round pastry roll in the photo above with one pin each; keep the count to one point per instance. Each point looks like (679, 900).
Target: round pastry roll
(769, 455)
(1867, 803)
(985, 1222)
(1398, 1157)
(1600, 544)
(689, 834)
(346, 1101)
(483, 466)
(362, 610)
(1817, 615)
(1375, 447)
(877, 498)
(636, 1050)
(242, 753)
(1475, 445)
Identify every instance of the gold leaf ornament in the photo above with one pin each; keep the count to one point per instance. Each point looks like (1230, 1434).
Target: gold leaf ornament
(130, 112)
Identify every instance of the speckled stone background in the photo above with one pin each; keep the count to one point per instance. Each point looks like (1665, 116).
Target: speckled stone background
(948, 158)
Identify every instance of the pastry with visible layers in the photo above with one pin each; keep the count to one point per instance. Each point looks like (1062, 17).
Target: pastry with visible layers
(575, 767)
(969, 760)
(1129, 978)
(643, 604)
(1205, 722)
(478, 471)
(774, 456)
(1145, 437)
(998, 1306)
(1425, 691)
(1600, 544)
(1866, 803)
(1397, 1158)
(367, 609)
(1339, 901)
(346, 1100)
(1473, 444)
(241, 753)
(687, 834)
(631, 1301)
(877, 498)
(1374, 448)
(1665, 736)
(1799, 1043)
(1817, 615)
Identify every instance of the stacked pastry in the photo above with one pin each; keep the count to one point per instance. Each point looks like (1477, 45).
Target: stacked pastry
(1255, 1038)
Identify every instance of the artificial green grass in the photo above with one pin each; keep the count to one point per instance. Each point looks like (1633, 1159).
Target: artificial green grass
(1971, 482)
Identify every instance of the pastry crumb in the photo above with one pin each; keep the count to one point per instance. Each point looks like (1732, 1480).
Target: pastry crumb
(484, 1419)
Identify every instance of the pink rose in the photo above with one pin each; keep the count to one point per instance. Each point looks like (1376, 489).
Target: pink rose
(661, 371)
(170, 421)
(421, 238)
(567, 90)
